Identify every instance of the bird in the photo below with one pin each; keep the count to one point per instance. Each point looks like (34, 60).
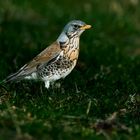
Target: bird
(57, 60)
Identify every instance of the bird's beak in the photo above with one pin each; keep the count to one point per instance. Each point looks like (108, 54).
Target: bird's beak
(85, 27)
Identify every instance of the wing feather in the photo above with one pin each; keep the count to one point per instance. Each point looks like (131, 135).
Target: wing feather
(45, 56)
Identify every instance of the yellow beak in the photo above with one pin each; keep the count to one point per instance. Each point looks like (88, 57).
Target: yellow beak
(85, 27)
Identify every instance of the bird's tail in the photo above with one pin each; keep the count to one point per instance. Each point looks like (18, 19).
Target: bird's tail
(12, 78)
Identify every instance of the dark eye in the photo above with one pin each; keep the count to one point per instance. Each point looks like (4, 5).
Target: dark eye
(76, 26)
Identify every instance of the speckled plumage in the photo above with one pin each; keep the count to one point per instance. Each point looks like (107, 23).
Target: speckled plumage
(57, 60)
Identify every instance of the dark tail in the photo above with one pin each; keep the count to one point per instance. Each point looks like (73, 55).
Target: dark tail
(12, 78)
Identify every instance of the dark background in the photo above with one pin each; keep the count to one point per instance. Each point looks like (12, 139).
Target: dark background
(100, 99)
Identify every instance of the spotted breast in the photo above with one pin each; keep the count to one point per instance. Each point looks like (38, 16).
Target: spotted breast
(63, 64)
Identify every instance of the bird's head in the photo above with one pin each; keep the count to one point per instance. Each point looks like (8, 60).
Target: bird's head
(73, 29)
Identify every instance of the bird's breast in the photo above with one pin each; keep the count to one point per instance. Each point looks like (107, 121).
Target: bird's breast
(71, 51)
(63, 64)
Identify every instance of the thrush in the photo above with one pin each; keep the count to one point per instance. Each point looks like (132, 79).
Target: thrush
(57, 60)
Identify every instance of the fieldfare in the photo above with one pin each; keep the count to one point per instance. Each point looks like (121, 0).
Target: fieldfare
(57, 60)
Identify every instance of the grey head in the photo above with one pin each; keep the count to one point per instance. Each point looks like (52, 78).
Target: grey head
(73, 29)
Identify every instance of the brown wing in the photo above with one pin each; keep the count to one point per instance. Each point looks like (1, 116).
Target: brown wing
(45, 56)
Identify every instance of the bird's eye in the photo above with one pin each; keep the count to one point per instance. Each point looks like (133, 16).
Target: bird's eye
(76, 26)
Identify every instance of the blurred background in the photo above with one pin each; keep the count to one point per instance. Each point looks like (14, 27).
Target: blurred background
(27, 27)
(106, 78)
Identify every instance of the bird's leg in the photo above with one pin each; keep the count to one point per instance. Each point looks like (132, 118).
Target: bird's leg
(47, 84)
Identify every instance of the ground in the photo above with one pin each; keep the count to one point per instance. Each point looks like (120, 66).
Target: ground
(100, 99)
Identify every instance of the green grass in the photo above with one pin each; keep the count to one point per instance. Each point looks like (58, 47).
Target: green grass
(100, 99)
